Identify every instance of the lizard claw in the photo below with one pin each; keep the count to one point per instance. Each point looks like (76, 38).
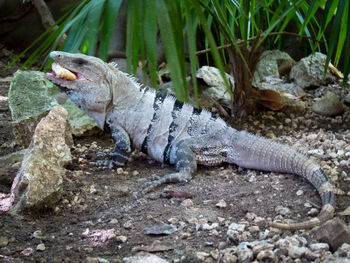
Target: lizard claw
(103, 164)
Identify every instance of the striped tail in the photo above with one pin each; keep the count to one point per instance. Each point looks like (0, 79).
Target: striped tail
(250, 151)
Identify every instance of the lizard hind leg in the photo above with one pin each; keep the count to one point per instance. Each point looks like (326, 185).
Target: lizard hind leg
(185, 160)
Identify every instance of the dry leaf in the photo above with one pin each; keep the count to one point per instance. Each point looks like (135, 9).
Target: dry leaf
(346, 212)
(270, 99)
(335, 71)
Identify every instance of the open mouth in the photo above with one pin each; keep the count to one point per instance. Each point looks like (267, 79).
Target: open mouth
(61, 73)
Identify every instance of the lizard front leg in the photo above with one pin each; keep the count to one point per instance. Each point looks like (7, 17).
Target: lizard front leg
(185, 160)
(121, 154)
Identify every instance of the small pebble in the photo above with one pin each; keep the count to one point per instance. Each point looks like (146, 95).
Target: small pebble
(313, 212)
(202, 255)
(299, 192)
(282, 210)
(221, 204)
(114, 221)
(265, 255)
(3, 241)
(40, 247)
(187, 203)
(121, 239)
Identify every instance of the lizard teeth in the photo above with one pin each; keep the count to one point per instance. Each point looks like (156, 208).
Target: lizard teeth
(63, 73)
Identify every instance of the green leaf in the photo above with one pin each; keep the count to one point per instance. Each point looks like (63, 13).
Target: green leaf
(141, 49)
(171, 50)
(132, 36)
(212, 44)
(314, 5)
(342, 34)
(108, 24)
(277, 18)
(347, 52)
(92, 26)
(335, 31)
(76, 33)
(191, 39)
(328, 13)
(150, 39)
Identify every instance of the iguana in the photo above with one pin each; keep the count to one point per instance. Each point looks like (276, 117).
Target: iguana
(176, 133)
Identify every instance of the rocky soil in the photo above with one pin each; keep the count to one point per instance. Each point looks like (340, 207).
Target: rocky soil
(221, 215)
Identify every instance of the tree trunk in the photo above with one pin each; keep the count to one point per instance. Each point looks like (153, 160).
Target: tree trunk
(245, 97)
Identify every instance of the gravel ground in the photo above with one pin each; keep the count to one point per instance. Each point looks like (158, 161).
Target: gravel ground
(221, 215)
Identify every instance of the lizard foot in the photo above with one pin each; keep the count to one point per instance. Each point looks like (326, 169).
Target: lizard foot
(104, 164)
(115, 163)
(179, 177)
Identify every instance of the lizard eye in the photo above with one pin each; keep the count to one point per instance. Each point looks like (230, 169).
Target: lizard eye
(79, 62)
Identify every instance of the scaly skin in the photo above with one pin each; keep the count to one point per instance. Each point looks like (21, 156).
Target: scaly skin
(176, 133)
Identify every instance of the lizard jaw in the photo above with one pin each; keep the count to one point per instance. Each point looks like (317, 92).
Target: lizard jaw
(64, 77)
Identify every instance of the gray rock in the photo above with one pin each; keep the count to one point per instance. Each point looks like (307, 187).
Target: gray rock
(236, 227)
(95, 260)
(272, 63)
(334, 232)
(245, 254)
(38, 183)
(82, 124)
(289, 92)
(297, 252)
(144, 257)
(202, 255)
(288, 241)
(229, 255)
(235, 232)
(160, 229)
(29, 100)
(347, 99)
(262, 247)
(212, 78)
(309, 71)
(310, 255)
(343, 251)
(266, 255)
(329, 105)
(281, 87)
(31, 96)
(319, 246)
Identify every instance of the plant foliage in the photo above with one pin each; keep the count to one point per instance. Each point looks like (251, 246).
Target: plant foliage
(90, 25)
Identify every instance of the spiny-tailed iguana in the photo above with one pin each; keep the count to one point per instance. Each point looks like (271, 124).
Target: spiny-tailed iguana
(174, 132)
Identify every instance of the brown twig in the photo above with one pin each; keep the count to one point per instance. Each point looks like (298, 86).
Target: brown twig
(205, 51)
(46, 17)
(220, 108)
(25, 10)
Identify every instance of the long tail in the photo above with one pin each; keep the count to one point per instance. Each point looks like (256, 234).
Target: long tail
(250, 151)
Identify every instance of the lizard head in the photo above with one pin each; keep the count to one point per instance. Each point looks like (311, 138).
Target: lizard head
(86, 80)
